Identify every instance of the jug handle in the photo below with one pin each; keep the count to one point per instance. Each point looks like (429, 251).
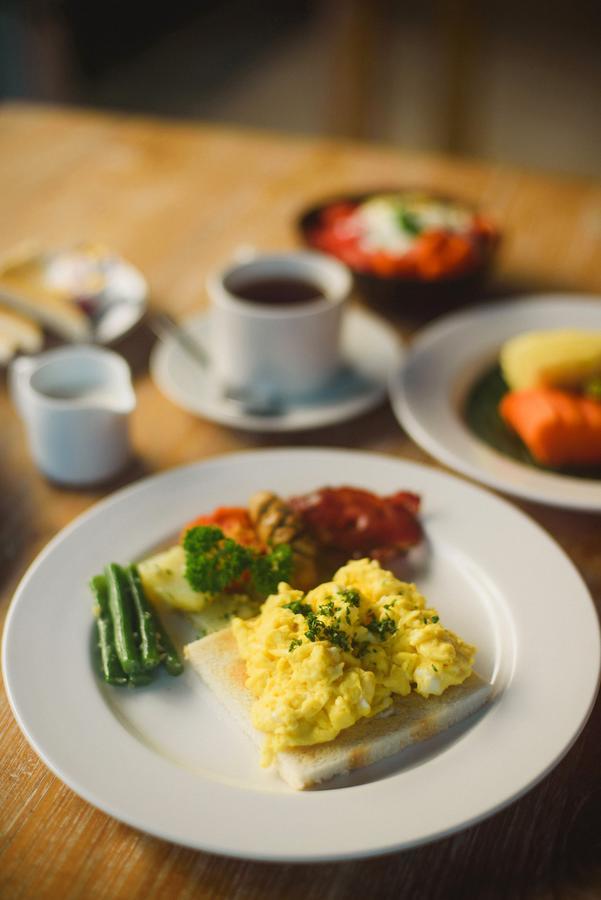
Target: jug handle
(18, 372)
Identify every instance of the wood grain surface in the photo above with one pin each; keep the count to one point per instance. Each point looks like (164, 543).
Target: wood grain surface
(176, 200)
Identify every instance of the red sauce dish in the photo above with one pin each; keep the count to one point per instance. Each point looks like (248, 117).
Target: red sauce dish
(420, 249)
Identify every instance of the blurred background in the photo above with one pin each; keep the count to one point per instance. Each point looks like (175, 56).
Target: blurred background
(516, 82)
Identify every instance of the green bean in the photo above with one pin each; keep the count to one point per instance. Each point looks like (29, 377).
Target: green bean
(139, 678)
(99, 589)
(146, 621)
(120, 607)
(109, 661)
(168, 654)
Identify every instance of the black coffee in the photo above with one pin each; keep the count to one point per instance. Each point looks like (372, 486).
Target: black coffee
(278, 291)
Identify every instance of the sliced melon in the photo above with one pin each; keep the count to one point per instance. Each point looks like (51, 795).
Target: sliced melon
(562, 358)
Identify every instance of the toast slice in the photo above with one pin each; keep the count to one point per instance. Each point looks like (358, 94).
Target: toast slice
(24, 290)
(20, 332)
(410, 719)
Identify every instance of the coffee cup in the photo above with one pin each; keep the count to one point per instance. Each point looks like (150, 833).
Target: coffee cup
(276, 322)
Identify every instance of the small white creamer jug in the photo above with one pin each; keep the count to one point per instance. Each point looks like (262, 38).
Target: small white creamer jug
(75, 403)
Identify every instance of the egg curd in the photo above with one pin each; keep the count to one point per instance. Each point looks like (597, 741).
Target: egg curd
(318, 662)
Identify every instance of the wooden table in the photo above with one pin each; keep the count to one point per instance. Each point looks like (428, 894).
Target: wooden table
(176, 199)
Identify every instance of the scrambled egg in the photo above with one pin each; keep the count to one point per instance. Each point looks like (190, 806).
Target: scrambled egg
(317, 663)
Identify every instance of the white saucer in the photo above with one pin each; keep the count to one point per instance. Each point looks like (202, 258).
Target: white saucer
(370, 351)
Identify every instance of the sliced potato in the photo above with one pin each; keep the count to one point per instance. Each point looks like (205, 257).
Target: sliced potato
(164, 581)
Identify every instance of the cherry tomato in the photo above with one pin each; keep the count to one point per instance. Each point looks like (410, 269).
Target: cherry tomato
(235, 523)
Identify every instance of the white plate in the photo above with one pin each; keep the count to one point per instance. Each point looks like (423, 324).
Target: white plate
(116, 309)
(370, 351)
(168, 759)
(428, 392)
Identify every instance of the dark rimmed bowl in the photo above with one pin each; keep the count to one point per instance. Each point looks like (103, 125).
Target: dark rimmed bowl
(414, 297)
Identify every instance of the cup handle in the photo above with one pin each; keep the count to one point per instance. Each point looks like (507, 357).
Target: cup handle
(18, 371)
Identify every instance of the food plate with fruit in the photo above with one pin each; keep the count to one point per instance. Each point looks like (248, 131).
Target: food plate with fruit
(508, 394)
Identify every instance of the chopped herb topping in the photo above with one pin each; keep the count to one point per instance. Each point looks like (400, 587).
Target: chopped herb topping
(351, 596)
(294, 644)
(298, 608)
(409, 222)
(434, 619)
(360, 648)
(317, 630)
(434, 667)
(337, 637)
(327, 609)
(382, 629)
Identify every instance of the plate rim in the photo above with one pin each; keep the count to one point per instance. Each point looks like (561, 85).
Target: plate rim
(410, 421)
(142, 485)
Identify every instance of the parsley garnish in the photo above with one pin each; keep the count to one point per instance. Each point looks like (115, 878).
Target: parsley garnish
(351, 596)
(317, 630)
(215, 562)
(268, 569)
(326, 609)
(336, 636)
(434, 619)
(314, 626)
(434, 667)
(383, 628)
(298, 608)
(360, 648)
(294, 644)
(409, 222)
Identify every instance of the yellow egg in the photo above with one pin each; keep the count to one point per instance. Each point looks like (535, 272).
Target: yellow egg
(318, 662)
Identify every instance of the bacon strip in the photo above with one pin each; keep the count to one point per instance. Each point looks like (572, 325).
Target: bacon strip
(359, 522)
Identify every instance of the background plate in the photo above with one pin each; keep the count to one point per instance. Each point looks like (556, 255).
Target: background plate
(427, 393)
